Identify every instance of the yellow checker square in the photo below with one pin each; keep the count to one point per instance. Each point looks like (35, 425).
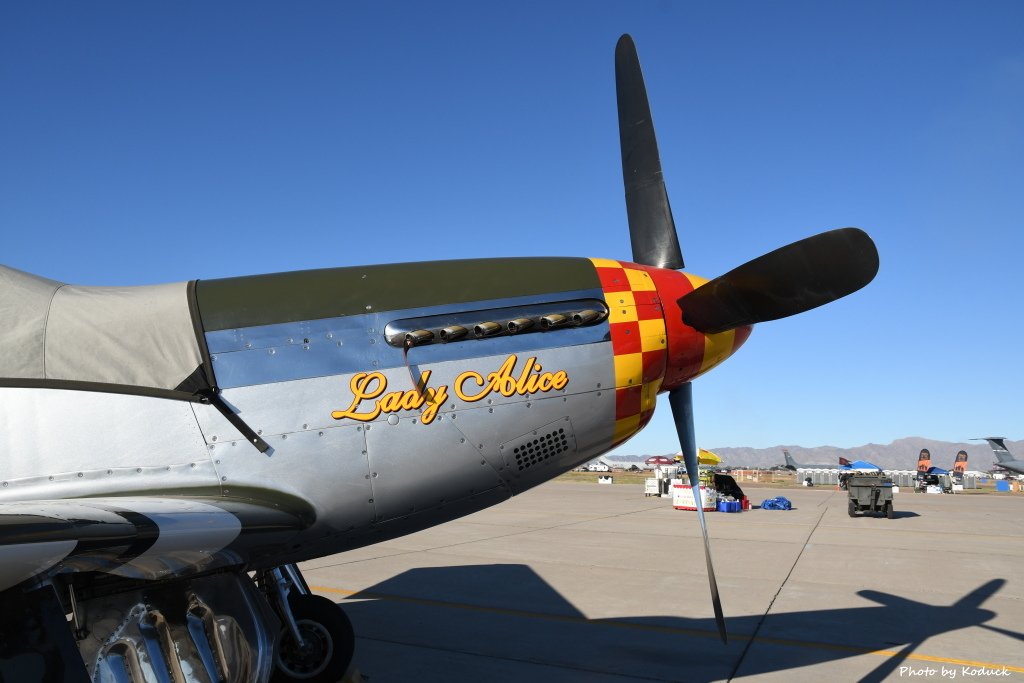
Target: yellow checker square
(629, 370)
(649, 396)
(639, 281)
(621, 299)
(652, 343)
(621, 308)
(652, 334)
(605, 263)
(626, 427)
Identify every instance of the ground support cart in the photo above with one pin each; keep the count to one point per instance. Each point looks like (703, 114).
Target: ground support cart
(869, 493)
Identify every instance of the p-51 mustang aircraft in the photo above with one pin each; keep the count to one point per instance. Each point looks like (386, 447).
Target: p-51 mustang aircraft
(171, 452)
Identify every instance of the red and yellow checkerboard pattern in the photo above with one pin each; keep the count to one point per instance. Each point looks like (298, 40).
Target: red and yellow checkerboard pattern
(645, 329)
(639, 342)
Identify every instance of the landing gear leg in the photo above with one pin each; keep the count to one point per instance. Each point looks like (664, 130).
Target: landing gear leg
(317, 643)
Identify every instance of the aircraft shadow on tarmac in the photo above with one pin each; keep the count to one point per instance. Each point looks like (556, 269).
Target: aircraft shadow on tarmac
(483, 609)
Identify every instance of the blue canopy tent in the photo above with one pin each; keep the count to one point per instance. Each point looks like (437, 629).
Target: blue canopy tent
(861, 466)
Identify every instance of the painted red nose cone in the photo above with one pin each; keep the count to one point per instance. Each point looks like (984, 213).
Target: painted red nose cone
(690, 353)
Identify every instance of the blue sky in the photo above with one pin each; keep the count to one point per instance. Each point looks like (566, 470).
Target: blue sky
(144, 143)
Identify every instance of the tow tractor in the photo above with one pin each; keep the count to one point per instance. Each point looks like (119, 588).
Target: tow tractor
(868, 492)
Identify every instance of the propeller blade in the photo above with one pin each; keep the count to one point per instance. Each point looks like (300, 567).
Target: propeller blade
(975, 598)
(652, 231)
(1003, 631)
(681, 400)
(784, 282)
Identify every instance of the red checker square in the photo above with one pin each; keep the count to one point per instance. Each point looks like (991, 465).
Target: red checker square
(647, 299)
(626, 338)
(648, 312)
(653, 364)
(627, 402)
(613, 279)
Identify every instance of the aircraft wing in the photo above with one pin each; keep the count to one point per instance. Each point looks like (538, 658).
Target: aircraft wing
(138, 537)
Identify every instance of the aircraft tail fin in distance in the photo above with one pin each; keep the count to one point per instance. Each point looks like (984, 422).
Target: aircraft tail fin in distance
(999, 447)
(924, 460)
(960, 464)
(843, 462)
(790, 462)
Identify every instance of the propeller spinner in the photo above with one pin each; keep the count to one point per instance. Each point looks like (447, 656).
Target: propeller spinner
(790, 280)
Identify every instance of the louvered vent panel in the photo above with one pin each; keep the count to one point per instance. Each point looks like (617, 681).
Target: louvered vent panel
(544, 445)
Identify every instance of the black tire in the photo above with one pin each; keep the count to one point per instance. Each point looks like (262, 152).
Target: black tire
(330, 643)
(888, 510)
(853, 509)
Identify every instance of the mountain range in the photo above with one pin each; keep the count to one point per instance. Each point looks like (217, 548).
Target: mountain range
(900, 454)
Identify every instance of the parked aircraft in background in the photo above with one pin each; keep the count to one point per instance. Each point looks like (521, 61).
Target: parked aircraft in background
(960, 465)
(792, 464)
(924, 460)
(173, 451)
(1005, 460)
(930, 474)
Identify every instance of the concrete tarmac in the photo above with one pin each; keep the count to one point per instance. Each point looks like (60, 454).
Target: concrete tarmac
(587, 583)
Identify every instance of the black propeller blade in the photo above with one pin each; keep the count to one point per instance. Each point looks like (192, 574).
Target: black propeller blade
(651, 228)
(681, 400)
(784, 282)
(652, 233)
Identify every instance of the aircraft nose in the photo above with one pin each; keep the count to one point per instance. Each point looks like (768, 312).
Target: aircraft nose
(653, 349)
